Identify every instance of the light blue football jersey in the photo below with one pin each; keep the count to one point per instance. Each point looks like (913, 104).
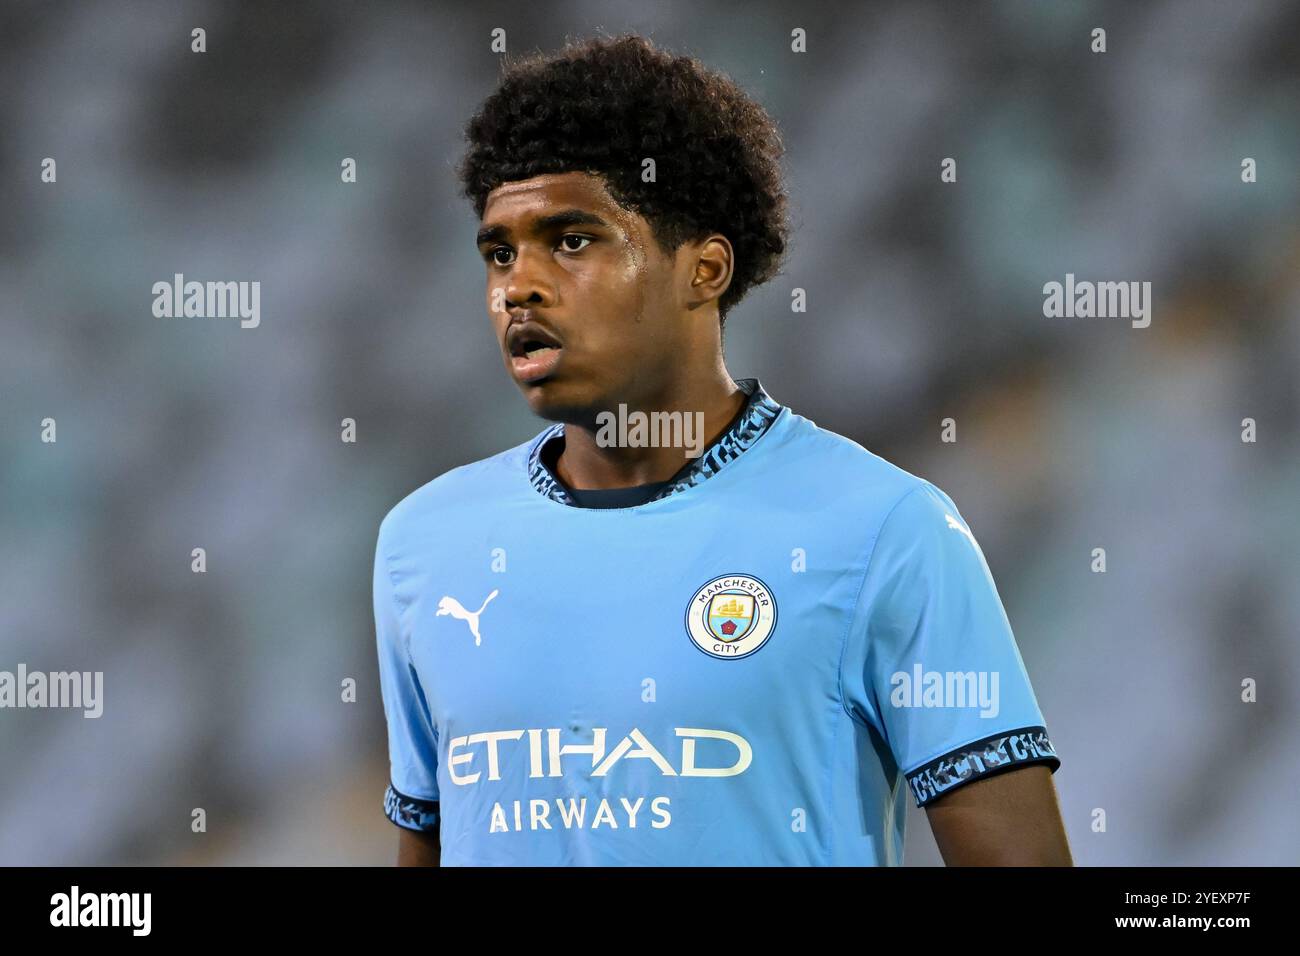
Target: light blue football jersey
(755, 668)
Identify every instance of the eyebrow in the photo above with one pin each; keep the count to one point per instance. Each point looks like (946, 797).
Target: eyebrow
(567, 217)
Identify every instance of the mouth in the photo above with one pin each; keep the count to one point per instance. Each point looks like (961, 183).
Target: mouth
(534, 352)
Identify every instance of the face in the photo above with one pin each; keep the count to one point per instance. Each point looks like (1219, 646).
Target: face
(583, 301)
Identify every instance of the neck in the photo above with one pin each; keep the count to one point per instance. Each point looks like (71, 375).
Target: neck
(590, 461)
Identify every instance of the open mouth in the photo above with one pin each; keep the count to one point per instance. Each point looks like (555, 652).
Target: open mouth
(534, 352)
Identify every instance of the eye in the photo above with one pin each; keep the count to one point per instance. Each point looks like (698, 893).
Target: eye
(573, 235)
(494, 253)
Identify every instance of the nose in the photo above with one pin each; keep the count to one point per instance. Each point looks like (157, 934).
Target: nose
(527, 284)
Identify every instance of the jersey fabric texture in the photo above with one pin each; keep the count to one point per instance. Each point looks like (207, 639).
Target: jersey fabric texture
(755, 667)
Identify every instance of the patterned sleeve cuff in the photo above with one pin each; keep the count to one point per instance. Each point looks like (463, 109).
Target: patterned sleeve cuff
(411, 813)
(1008, 750)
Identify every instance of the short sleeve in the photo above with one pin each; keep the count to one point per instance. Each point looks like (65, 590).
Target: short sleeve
(931, 660)
(411, 800)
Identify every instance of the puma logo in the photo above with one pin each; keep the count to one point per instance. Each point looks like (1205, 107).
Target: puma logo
(449, 605)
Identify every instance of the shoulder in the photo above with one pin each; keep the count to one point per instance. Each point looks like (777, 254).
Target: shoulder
(852, 476)
(458, 494)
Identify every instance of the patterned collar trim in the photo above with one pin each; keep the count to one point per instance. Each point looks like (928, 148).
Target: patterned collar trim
(750, 425)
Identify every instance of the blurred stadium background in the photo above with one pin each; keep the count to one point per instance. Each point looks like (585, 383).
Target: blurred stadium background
(223, 689)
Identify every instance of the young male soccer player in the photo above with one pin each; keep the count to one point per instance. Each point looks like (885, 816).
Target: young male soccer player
(595, 651)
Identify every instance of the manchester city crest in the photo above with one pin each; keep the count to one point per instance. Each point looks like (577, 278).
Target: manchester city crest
(731, 616)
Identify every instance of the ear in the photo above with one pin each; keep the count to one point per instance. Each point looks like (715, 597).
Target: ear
(709, 264)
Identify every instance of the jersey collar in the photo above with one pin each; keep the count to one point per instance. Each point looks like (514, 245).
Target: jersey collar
(750, 424)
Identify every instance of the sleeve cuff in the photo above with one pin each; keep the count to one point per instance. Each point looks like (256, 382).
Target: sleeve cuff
(411, 813)
(998, 753)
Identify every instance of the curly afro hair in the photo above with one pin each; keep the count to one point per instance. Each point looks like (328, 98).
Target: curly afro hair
(604, 104)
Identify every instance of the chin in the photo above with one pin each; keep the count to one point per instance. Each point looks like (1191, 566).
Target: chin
(558, 401)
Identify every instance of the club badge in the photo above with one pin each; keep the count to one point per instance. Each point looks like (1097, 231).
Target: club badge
(731, 616)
